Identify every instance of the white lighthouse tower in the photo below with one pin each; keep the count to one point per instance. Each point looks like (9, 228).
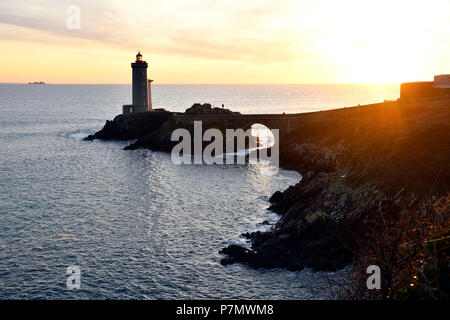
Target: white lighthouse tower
(141, 88)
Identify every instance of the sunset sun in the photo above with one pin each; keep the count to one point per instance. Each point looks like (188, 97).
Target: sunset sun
(202, 41)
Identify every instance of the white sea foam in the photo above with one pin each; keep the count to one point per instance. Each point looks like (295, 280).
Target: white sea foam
(80, 135)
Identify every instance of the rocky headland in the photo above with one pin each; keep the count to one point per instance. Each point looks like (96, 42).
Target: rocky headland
(384, 159)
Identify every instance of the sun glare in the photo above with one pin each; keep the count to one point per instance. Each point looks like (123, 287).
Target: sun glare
(271, 42)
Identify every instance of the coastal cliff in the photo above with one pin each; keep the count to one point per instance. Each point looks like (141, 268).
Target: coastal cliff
(384, 160)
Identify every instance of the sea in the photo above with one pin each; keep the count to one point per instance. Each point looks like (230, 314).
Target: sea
(89, 220)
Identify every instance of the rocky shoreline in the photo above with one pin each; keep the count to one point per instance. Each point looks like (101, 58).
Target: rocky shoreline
(385, 158)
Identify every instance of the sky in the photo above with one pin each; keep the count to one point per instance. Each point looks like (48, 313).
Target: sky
(225, 41)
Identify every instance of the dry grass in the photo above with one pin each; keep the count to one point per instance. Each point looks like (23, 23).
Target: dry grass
(411, 248)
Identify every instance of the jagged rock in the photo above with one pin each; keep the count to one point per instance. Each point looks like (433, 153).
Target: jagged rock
(206, 108)
(276, 197)
(356, 161)
(131, 126)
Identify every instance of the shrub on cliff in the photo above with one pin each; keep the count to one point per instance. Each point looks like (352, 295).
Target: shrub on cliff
(412, 250)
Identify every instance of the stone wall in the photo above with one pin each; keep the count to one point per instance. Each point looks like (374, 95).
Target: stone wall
(411, 91)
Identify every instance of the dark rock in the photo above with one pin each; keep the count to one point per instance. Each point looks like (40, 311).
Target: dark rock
(276, 197)
(239, 254)
(131, 126)
(206, 108)
(157, 140)
(246, 235)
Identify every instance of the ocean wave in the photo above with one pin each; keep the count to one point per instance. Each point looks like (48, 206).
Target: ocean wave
(80, 135)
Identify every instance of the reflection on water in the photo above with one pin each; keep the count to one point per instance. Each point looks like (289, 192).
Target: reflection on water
(137, 225)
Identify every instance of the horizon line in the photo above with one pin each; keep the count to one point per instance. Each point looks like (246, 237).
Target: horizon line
(226, 84)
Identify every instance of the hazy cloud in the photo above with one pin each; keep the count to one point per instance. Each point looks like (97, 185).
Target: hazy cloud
(218, 29)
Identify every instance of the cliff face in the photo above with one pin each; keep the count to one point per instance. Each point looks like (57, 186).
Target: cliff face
(385, 158)
(392, 145)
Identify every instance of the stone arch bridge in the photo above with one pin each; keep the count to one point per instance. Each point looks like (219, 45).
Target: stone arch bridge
(285, 123)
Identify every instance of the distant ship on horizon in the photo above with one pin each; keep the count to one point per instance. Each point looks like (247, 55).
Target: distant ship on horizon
(40, 82)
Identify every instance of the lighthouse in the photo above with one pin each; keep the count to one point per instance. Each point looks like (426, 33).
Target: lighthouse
(141, 87)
